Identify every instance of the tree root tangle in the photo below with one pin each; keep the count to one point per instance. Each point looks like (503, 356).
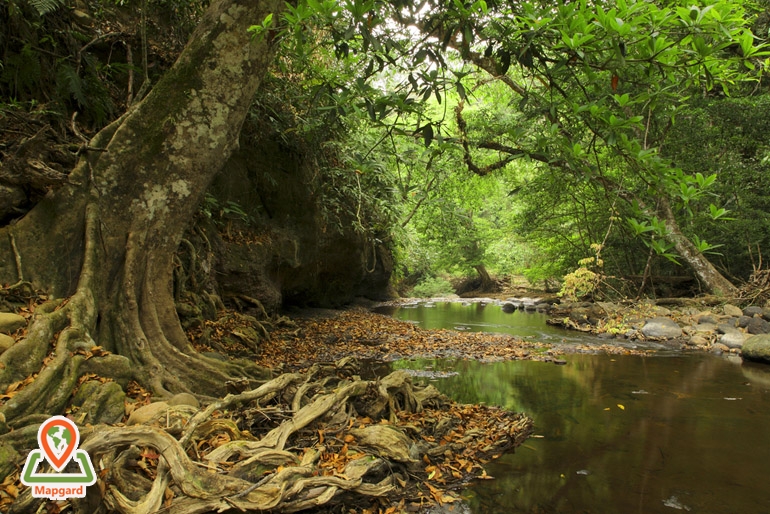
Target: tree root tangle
(299, 441)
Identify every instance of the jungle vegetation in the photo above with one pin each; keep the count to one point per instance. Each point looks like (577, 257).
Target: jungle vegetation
(611, 143)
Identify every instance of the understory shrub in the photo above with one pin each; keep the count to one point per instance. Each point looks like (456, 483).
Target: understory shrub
(432, 286)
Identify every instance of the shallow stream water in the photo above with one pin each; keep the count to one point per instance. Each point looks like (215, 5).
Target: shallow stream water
(667, 433)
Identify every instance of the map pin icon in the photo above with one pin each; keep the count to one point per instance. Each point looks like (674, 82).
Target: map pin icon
(58, 437)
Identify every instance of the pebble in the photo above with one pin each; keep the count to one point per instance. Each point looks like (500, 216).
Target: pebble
(705, 327)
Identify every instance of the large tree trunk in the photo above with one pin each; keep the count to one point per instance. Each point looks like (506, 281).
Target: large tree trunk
(714, 281)
(109, 237)
(487, 284)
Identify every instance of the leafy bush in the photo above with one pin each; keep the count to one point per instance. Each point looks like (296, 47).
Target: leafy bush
(433, 286)
(583, 282)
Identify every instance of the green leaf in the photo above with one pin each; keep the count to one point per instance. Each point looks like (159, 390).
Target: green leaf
(639, 228)
(747, 43)
(427, 135)
(460, 90)
(622, 100)
(45, 6)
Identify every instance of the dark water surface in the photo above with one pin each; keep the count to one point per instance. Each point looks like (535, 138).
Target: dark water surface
(621, 434)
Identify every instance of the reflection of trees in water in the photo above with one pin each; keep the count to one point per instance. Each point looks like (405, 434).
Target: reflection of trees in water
(683, 438)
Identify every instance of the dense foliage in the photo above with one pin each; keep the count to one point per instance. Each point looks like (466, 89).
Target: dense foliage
(475, 136)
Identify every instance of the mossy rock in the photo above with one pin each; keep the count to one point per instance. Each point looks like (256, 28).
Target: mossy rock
(757, 348)
(10, 322)
(102, 402)
(8, 458)
(6, 342)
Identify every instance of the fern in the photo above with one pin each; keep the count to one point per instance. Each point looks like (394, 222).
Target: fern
(45, 6)
(70, 84)
(22, 71)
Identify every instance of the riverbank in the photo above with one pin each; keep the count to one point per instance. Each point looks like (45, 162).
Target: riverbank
(690, 324)
(320, 335)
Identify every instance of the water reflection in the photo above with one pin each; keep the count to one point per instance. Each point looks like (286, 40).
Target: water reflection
(489, 317)
(623, 434)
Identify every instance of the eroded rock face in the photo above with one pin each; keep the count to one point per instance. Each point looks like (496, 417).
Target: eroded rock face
(296, 248)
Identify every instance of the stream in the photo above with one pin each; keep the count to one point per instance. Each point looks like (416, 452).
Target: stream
(670, 432)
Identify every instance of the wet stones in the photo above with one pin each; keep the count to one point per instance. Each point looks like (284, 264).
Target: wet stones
(733, 339)
(732, 311)
(662, 328)
(752, 311)
(757, 348)
(758, 326)
(508, 307)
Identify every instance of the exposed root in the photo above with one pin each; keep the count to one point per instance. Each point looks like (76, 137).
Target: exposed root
(299, 441)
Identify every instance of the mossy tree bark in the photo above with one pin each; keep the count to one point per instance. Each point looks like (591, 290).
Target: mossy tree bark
(107, 239)
(710, 277)
(487, 283)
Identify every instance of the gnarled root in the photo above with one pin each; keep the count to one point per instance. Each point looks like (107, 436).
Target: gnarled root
(298, 441)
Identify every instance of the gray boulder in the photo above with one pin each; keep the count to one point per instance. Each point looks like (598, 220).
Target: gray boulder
(744, 321)
(752, 310)
(707, 317)
(726, 328)
(10, 322)
(758, 326)
(661, 328)
(733, 339)
(697, 340)
(757, 348)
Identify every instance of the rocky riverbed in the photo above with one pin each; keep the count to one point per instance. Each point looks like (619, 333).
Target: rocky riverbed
(724, 328)
(689, 324)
